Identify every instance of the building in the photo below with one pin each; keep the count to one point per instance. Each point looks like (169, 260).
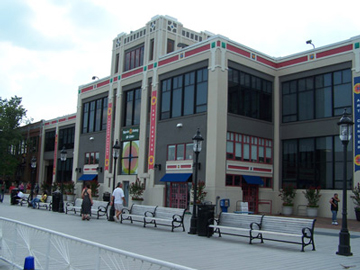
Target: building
(266, 121)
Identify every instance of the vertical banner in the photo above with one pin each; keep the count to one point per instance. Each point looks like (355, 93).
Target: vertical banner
(152, 129)
(55, 155)
(108, 136)
(357, 123)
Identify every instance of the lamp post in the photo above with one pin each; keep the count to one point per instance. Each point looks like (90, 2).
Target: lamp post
(63, 155)
(197, 144)
(33, 167)
(116, 154)
(345, 125)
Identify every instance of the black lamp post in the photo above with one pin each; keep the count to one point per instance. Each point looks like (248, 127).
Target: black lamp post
(63, 155)
(197, 144)
(33, 167)
(116, 154)
(345, 124)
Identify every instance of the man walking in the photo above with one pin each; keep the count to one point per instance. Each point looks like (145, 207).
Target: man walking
(118, 200)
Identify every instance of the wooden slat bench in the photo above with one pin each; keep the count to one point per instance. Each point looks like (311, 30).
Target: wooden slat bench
(74, 206)
(166, 216)
(234, 224)
(137, 213)
(99, 208)
(282, 229)
(47, 205)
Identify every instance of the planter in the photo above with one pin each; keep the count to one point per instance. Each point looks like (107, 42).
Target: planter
(135, 201)
(287, 210)
(312, 211)
(357, 214)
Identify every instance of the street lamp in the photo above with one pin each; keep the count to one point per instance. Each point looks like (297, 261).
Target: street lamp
(116, 154)
(345, 125)
(197, 143)
(33, 167)
(63, 155)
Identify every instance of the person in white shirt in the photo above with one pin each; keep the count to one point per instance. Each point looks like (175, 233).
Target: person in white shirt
(118, 199)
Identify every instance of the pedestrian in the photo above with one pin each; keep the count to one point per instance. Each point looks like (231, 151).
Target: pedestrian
(2, 190)
(118, 199)
(86, 203)
(334, 201)
(36, 200)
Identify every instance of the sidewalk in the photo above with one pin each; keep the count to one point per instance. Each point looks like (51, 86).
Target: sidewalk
(227, 252)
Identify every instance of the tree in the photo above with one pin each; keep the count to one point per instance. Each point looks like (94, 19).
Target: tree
(11, 116)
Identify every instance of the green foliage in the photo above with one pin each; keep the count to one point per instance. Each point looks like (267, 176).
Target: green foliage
(201, 193)
(287, 195)
(11, 116)
(136, 189)
(94, 186)
(312, 194)
(356, 197)
(69, 188)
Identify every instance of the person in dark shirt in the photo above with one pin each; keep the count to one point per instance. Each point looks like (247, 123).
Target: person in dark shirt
(334, 202)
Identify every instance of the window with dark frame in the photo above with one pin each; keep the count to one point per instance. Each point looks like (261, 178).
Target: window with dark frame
(181, 151)
(116, 70)
(170, 46)
(95, 115)
(132, 107)
(91, 158)
(190, 87)
(134, 58)
(316, 97)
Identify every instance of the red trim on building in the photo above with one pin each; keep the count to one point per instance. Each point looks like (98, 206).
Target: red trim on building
(62, 120)
(261, 170)
(115, 79)
(72, 117)
(54, 122)
(197, 50)
(133, 72)
(151, 66)
(335, 51)
(103, 83)
(266, 62)
(292, 62)
(169, 60)
(186, 166)
(238, 167)
(87, 89)
(238, 50)
(218, 43)
(171, 167)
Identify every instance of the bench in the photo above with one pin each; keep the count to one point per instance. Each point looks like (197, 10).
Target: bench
(282, 229)
(166, 216)
(74, 206)
(99, 208)
(234, 224)
(47, 205)
(137, 213)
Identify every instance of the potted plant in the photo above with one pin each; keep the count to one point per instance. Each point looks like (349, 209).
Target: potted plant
(94, 186)
(55, 186)
(312, 194)
(136, 191)
(70, 190)
(45, 187)
(356, 200)
(201, 194)
(287, 195)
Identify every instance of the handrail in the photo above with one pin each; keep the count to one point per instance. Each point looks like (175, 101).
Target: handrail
(55, 250)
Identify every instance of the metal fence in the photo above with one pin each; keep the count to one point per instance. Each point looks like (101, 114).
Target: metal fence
(54, 250)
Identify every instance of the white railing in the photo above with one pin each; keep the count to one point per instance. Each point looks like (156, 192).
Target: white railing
(54, 250)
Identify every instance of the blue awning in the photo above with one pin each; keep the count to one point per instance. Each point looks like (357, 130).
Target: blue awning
(253, 180)
(176, 177)
(87, 177)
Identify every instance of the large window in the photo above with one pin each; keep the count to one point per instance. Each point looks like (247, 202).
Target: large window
(185, 94)
(315, 162)
(249, 95)
(132, 107)
(92, 158)
(66, 138)
(49, 141)
(180, 151)
(248, 148)
(94, 115)
(129, 157)
(134, 58)
(314, 97)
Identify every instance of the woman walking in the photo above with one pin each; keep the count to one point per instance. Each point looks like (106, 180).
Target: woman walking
(87, 203)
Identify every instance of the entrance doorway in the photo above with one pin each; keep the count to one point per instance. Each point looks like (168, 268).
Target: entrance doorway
(251, 195)
(178, 195)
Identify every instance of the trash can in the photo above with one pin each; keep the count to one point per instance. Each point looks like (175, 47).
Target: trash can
(13, 196)
(106, 197)
(205, 213)
(224, 204)
(56, 196)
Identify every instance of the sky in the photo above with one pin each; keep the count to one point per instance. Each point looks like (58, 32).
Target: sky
(48, 48)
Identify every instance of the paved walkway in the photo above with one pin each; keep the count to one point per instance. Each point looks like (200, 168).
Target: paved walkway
(227, 252)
